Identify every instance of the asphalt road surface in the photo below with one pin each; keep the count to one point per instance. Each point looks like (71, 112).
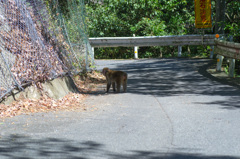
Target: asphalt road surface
(172, 110)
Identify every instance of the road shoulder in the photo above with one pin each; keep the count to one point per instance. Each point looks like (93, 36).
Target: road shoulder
(209, 71)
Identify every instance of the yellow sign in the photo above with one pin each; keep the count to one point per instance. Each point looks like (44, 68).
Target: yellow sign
(203, 14)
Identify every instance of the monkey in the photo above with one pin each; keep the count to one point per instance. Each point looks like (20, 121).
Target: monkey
(118, 77)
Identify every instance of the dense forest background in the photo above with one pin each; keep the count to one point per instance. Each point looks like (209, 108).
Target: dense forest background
(118, 18)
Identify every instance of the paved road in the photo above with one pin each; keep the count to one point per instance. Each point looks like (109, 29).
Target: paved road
(171, 111)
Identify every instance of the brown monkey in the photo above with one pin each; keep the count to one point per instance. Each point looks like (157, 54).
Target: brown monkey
(118, 77)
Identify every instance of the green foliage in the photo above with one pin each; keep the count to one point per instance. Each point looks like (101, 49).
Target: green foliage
(233, 19)
(119, 18)
(124, 18)
(237, 67)
(226, 69)
(113, 53)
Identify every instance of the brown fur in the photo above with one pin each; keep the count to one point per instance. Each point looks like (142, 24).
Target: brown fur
(118, 77)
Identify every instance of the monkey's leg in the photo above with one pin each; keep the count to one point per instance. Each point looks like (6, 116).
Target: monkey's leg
(108, 86)
(118, 87)
(113, 85)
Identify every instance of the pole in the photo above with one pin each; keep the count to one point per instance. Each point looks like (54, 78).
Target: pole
(220, 16)
(219, 28)
(179, 51)
(135, 50)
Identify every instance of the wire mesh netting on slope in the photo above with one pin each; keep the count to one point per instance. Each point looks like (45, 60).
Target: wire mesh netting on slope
(36, 42)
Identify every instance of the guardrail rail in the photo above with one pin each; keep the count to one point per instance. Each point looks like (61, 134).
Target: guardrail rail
(175, 40)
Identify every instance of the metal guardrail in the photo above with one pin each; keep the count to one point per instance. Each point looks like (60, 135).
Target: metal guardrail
(176, 40)
(227, 49)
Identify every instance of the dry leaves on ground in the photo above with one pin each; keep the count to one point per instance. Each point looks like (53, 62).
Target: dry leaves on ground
(85, 83)
(44, 104)
(88, 82)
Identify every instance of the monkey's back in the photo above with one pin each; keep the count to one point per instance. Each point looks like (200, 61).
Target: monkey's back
(117, 75)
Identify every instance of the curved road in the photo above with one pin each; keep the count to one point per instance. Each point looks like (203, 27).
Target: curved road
(171, 111)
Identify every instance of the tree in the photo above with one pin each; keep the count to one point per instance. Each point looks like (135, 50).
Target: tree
(116, 18)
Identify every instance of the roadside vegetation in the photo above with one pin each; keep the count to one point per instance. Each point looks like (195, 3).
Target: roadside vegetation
(114, 18)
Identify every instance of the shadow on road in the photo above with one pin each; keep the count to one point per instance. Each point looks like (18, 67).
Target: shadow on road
(17, 146)
(174, 77)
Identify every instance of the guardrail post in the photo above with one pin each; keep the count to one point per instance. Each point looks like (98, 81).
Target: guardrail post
(135, 50)
(93, 51)
(219, 62)
(179, 51)
(231, 67)
(212, 52)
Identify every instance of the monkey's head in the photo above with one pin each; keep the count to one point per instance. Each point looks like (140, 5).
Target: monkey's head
(105, 70)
